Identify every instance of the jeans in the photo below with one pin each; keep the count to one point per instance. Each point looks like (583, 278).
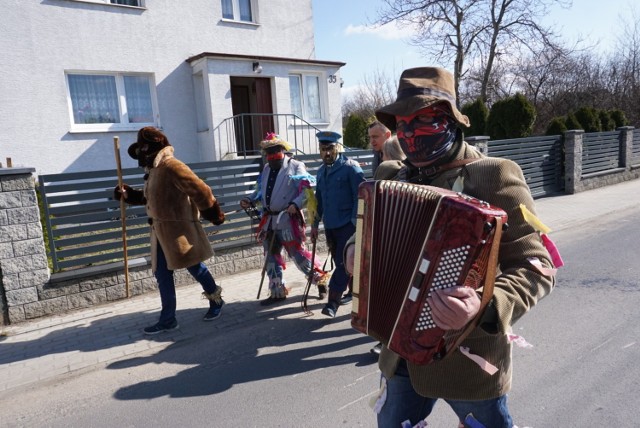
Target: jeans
(339, 236)
(167, 286)
(404, 403)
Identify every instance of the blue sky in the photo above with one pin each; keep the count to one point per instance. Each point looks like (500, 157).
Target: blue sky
(341, 34)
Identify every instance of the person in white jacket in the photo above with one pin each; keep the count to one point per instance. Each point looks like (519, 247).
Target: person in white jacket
(283, 189)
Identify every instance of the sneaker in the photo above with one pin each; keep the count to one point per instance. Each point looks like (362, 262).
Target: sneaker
(271, 300)
(347, 298)
(214, 311)
(161, 327)
(330, 309)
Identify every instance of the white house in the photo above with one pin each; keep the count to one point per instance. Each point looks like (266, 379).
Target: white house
(215, 75)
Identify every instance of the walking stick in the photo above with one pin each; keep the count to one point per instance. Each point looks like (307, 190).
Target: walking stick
(123, 217)
(264, 267)
(305, 295)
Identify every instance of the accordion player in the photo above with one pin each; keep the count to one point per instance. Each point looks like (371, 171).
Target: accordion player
(410, 240)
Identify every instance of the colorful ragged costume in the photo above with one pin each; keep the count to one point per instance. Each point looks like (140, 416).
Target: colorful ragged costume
(284, 182)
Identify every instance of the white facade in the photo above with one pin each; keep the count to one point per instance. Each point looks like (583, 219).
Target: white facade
(199, 67)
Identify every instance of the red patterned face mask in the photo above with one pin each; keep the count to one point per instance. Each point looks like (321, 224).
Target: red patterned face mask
(426, 134)
(275, 156)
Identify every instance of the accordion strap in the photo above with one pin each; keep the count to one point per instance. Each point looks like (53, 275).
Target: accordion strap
(487, 288)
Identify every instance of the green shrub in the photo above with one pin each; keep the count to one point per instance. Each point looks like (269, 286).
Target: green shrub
(572, 123)
(557, 126)
(588, 119)
(355, 132)
(618, 117)
(511, 117)
(477, 113)
(606, 122)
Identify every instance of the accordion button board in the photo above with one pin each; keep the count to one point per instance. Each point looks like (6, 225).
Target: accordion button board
(410, 241)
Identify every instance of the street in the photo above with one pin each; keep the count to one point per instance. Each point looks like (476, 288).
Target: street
(292, 370)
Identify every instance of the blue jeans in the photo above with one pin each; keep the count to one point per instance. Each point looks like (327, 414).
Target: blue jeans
(167, 286)
(404, 403)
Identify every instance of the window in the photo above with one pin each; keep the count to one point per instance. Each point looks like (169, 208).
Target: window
(237, 10)
(305, 97)
(127, 2)
(103, 102)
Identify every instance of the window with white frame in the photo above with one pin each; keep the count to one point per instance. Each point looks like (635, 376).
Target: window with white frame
(304, 90)
(238, 10)
(111, 101)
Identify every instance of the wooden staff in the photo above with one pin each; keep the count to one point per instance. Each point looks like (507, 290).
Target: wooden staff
(305, 295)
(123, 216)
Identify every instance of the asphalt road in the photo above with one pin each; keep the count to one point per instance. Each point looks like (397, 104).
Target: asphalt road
(297, 371)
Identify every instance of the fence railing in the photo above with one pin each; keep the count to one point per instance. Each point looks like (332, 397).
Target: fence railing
(83, 221)
(635, 149)
(541, 160)
(600, 152)
(239, 136)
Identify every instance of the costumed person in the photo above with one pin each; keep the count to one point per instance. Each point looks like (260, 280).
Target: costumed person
(475, 378)
(175, 199)
(337, 182)
(283, 189)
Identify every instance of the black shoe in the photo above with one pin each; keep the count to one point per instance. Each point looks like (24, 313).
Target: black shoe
(214, 311)
(322, 292)
(161, 327)
(271, 300)
(376, 349)
(330, 309)
(347, 298)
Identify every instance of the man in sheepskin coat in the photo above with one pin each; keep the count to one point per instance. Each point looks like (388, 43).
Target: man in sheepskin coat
(174, 198)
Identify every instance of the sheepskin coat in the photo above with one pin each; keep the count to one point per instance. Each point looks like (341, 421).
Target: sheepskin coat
(174, 196)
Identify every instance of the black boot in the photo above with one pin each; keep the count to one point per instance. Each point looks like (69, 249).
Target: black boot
(331, 308)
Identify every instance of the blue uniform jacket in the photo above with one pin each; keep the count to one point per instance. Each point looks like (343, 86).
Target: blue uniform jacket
(337, 192)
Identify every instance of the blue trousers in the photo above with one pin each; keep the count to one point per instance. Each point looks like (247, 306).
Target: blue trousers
(404, 403)
(339, 237)
(167, 286)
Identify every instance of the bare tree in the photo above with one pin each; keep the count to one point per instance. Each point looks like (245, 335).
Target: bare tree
(377, 89)
(468, 30)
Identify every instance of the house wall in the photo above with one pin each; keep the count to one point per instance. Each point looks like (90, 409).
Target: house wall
(41, 39)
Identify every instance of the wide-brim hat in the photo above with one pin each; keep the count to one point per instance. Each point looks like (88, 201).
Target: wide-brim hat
(151, 136)
(274, 140)
(419, 88)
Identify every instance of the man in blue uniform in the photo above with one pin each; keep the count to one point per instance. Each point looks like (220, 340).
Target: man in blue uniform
(337, 194)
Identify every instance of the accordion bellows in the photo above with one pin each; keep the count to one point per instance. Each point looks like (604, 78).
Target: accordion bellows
(410, 240)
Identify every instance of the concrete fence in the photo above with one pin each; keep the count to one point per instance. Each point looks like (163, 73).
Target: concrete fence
(28, 290)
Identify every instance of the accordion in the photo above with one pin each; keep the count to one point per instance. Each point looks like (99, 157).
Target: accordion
(410, 240)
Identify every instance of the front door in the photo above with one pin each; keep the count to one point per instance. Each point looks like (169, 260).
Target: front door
(253, 112)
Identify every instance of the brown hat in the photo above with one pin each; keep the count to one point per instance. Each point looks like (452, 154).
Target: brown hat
(151, 136)
(419, 88)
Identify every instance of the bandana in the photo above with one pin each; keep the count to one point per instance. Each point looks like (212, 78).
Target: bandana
(426, 134)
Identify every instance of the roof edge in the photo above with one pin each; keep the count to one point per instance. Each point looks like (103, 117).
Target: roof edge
(263, 58)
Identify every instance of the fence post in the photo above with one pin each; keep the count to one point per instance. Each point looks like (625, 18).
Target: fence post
(23, 258)
(480, 142)
(573, 160)
(626, 146)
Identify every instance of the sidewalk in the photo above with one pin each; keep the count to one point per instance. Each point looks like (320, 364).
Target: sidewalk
(45, 348)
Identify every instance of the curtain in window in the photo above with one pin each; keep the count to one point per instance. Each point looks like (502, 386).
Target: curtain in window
(138, 96)
(94, 99)
(312, 89)
(227, 9)
(245, 10)
(126, 2)
(295, 95)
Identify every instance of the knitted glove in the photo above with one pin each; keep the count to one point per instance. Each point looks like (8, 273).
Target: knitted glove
(133, 196)
(214, 214)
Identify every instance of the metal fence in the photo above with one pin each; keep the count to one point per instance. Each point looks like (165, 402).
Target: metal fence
(635, 152)
(600, 152)
(541, 160)
(83, 221)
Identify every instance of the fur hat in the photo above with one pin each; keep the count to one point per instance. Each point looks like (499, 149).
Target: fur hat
(273, 140)
(419, 88)
(151, 136)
